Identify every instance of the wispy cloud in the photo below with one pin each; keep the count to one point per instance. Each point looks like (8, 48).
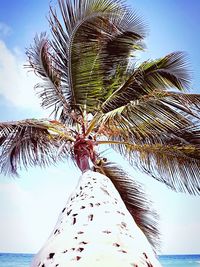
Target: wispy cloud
(5, 30)
(16, 83)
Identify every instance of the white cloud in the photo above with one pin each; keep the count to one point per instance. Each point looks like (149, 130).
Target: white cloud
(16, 83)
(4, 29)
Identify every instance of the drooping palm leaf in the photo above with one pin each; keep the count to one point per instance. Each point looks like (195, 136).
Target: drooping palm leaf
(188, 104)
(30, 143)
(158, 113)
(160, 134)
(169, 71)
(43, 61)
(176, 165)
(135, 199)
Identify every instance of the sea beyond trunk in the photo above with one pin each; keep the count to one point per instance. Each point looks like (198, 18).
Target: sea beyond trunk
(95, 229)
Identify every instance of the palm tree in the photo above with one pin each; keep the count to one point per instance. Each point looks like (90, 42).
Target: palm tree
(100, 95)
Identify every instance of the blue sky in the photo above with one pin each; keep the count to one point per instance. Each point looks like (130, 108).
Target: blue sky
(29, 205)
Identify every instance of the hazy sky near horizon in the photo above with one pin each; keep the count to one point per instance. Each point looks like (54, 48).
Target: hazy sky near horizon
(29, 205)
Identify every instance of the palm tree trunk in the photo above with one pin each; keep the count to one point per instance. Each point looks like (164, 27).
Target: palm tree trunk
(96, 230)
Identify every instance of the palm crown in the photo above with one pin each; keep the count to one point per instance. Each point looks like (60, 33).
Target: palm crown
(100, 95)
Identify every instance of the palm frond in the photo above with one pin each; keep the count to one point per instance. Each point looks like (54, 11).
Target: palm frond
(118, 51)
(166, 72)
(32, 142)
(188, 104)
(84, 42)
(44, 63)
(159, 112)
(172, 162)
(135, 200)
(169, 71)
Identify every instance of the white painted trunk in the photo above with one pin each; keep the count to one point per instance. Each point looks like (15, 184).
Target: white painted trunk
(95, 229)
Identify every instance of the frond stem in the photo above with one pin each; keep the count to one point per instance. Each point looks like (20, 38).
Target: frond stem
(93, 123)
(68, 137)
(112, 142)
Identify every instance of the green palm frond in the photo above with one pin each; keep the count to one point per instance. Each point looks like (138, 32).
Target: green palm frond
(176, 165)
(158, 112)
(169, 71)
(85, 53)
(30, 143)
(135, 200)
(166, 72)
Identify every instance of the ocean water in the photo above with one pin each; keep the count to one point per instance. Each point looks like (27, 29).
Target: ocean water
(180, 260)
(24, 260)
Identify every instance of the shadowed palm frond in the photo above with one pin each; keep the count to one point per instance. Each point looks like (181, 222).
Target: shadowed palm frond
(135, 200)
(188, 104)
(118, 51)
(31, 143)
(171, 161)
(169, 71)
